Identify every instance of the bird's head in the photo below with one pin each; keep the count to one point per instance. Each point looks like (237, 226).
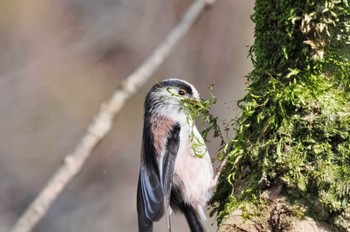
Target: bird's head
(167, 95)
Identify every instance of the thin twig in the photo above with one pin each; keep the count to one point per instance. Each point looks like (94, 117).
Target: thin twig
(222, 165)
(103, 121)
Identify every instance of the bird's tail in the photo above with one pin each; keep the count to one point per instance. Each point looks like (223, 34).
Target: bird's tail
(145, 225)
(192, 219)
(192, 216)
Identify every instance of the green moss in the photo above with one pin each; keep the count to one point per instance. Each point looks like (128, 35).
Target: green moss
(295, 124)
(199, 110)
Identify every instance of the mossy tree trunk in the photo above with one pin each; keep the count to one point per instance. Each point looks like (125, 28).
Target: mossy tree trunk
(290, 158)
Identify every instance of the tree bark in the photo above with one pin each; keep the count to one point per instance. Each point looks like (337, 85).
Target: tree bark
(288, 167)
(278, 216)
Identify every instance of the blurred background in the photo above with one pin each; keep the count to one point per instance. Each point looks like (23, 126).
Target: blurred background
(59, 60)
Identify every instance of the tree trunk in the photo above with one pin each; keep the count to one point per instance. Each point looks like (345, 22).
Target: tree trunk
(288, 166)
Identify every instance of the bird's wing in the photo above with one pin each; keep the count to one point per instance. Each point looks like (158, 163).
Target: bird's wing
(156, 173)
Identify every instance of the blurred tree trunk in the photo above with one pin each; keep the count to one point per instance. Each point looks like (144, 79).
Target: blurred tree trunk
(289, 164)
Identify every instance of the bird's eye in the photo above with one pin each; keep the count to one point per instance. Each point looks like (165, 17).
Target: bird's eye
(182, 92)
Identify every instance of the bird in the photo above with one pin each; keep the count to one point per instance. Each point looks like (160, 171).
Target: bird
(172, 177)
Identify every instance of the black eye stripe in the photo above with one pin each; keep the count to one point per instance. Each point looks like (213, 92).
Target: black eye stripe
(175, 83)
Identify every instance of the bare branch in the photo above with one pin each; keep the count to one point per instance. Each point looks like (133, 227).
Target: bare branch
(222, 165)
(103, 121)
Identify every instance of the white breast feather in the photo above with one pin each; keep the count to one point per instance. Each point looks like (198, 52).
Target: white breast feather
(193, 173)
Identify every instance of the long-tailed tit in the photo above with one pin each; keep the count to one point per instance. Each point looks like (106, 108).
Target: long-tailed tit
(172, 174)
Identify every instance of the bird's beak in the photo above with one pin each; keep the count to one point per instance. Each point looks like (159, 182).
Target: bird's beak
(195, 99)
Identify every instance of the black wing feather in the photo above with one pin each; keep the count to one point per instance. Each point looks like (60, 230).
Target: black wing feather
(172, 148)
(154, 186)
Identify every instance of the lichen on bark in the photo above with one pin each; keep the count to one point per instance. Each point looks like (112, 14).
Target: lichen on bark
(294, 130)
